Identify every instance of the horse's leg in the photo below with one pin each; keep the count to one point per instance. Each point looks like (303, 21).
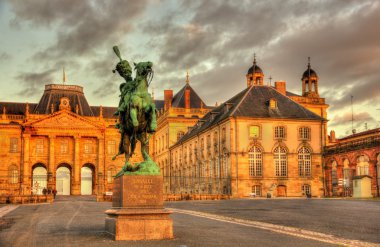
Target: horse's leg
(153, 120)
(144, 140)
(127, 153)
(133, 113)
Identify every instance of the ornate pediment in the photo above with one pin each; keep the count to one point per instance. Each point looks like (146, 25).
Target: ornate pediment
(65, 120)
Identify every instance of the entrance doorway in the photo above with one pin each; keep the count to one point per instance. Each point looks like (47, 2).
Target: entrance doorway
(281, 191)
(39, 179)
(63, 181)
(86, 180)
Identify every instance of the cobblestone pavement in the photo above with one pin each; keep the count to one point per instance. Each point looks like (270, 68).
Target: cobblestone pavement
(79, 221)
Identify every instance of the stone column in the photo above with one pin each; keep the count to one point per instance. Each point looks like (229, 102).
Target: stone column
(51, 170)
(26, 180)
(100, 169)
(77, 167)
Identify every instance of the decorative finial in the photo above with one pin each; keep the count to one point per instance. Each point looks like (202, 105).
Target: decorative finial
(308, 62)
(254, 58)
(187, 77)
(101, 111)
(64, 76)
(4, 113)
(27, 109)
(270, 80)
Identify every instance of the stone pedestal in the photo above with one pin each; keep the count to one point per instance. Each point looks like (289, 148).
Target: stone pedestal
(137, 211)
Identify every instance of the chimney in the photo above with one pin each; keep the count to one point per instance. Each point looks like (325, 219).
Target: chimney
(281, 87)
(187, 98)
(168, 97)
(332, 136)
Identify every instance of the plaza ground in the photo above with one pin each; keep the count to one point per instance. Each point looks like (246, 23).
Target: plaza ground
(79, 221)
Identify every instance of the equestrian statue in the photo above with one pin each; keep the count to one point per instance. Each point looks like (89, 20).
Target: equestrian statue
(137, 116)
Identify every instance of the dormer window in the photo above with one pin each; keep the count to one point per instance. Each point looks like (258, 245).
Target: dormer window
(273, 104)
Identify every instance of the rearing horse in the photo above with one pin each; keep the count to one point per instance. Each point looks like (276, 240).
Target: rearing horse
(138, 120)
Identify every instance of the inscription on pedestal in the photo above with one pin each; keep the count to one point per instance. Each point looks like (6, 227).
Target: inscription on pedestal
(138, 192)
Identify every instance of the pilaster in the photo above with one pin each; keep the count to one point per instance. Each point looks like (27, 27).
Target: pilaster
(51, 170)
(77, 167)
(26, 164)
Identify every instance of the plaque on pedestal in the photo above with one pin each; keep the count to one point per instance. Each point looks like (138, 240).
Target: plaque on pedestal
(137, 211)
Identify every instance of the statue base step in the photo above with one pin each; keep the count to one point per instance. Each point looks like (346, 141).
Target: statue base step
(139, 224)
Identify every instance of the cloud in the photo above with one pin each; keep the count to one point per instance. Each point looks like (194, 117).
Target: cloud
(5, 56)
(32, 82)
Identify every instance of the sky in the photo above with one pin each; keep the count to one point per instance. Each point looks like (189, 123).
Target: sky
(213, 40)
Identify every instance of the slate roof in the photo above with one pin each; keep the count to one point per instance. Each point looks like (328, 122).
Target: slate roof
(53, 94)
(107, 111)
(159, 104)
(195, 100)
(253, 102)
(15, 108)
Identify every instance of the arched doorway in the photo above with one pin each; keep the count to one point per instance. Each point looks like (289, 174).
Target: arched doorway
(63, 180)
(87, 179)
(39, 178)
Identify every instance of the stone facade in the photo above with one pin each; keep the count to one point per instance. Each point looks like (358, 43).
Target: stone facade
(69, 149)
(262, 141)
(352, 158)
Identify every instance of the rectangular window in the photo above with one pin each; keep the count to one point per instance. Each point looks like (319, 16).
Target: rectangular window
(110, 174)
(13, 145)
(254, 131)
(64, 146)
(304, 133)
(111, 147)
(88, 147)
(306, 190)
(256, 190)
(279, 132)
(39, 146)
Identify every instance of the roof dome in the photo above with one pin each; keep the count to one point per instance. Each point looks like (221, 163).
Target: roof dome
(256, 68)
(309, 72)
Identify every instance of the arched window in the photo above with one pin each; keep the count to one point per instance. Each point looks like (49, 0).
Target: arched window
(346, 173)
(281, 161)
(362, 167)
(255, 160)
(13, 174)
(304, 162)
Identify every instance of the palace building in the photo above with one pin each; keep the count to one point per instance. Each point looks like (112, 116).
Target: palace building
(60, 142)
(352, 164)
(63, 143)
(262, 141)
(177, 114)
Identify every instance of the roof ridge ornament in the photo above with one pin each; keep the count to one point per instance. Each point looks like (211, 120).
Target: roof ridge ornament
(187, 77)
(64, 76)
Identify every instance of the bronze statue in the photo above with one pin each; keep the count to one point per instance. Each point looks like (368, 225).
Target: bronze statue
(137, 115)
